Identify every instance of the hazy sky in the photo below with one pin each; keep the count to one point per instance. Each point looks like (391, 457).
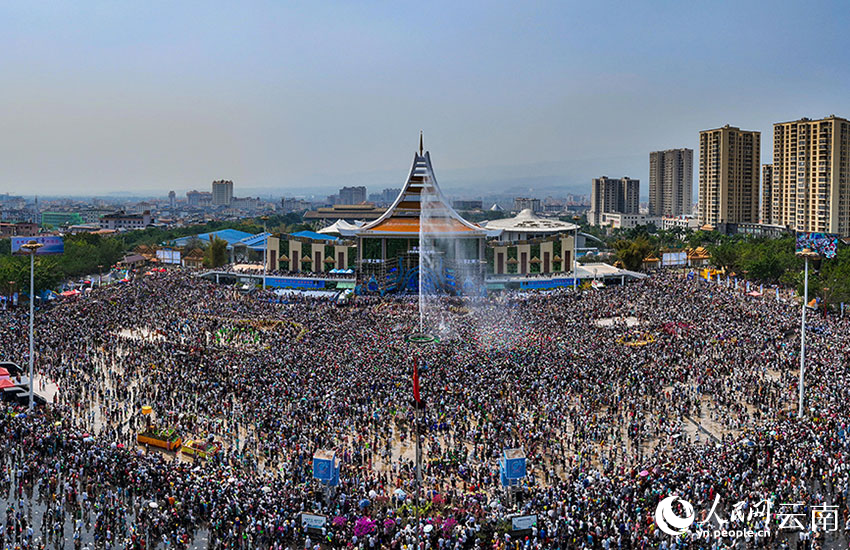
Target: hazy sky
(148, 96)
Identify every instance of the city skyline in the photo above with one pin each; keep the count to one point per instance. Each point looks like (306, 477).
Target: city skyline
(134, 98)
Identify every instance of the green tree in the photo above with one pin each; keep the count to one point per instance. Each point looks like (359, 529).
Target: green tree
(216, 253)
(632, 252)
(725, 255)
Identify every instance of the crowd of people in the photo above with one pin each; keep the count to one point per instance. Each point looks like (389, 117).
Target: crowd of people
(619, 397)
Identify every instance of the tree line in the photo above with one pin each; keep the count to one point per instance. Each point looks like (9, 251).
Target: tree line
(763, 260)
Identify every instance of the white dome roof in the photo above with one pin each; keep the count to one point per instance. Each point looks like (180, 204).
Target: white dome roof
(528, 222)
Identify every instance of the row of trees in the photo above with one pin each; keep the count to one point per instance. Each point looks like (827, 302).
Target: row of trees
(85, 255)
(759, 259)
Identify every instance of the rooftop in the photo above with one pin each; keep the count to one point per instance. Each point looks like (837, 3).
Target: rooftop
(527, 221)
(421, 193)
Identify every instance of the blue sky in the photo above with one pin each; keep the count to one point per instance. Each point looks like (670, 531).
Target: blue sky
(151, 96)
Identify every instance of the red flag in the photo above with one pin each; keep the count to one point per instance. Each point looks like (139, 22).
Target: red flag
(416, 382)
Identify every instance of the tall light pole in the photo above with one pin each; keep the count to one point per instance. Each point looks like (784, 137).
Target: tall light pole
(575, 254)
(99, 275)
(419, 339)
(265, 249)
(32, 247)
(805, 253)
(11, 292)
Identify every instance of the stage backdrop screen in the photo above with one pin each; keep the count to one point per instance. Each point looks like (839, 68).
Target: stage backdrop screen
(824, 244)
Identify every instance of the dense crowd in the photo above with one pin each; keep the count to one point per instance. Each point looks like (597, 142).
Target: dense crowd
(619, 397)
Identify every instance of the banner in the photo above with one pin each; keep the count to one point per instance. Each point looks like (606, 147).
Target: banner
(523, 523)
(50, 245)
(313, 522)
(824, 244)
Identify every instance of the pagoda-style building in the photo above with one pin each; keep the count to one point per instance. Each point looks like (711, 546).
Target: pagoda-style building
(388, 247)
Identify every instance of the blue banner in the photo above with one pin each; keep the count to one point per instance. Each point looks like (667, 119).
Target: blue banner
(551, 283)
(307, 284)
(50, 245)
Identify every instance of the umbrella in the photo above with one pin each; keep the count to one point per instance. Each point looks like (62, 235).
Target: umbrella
(153, 504)
(267, 489)
(364, 503)
(644, 473)
(428, 528)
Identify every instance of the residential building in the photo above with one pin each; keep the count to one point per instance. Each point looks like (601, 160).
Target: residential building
(93, 215)
(352, 195)
(767, 193)
(524, 203)
(390, 194)
(671, 181)
(729, 176)
(222, 192)
(199, 198)
(122, 220)
(811, 175)
(172, 199)
(60, 219)
(620, 196)
(293, 205)
(20, 229)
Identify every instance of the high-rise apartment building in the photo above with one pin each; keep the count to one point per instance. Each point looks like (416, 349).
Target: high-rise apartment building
(811, 175)
(222, 192)
(620, 196)
(523, 203)
(671, 182)
(352, 195)
(198, 198)
(729, 176)
(767, 193)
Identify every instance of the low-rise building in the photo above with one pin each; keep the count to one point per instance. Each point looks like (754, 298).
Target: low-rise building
(20, 229)
(617, 220)
(122, 220)
(60, 219)
(685, 222)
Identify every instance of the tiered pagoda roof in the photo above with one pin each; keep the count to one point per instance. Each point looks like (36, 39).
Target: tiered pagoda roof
(402, 218)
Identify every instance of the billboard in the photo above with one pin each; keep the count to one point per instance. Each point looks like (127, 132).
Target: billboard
(674, 258)
(50, 245)
(168, 256)
(824, 244)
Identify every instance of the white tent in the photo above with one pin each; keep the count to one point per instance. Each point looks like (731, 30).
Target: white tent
(342, 228)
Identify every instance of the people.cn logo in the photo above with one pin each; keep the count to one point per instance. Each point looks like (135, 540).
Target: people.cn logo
(667, 519)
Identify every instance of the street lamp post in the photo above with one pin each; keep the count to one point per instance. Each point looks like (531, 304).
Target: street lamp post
(419, 339)
(32, 247)
(265, 250)
(11, 292)
(806, 253)
(99, 275)
(575, 254)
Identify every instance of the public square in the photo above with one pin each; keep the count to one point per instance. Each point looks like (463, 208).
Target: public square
(618, 397)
